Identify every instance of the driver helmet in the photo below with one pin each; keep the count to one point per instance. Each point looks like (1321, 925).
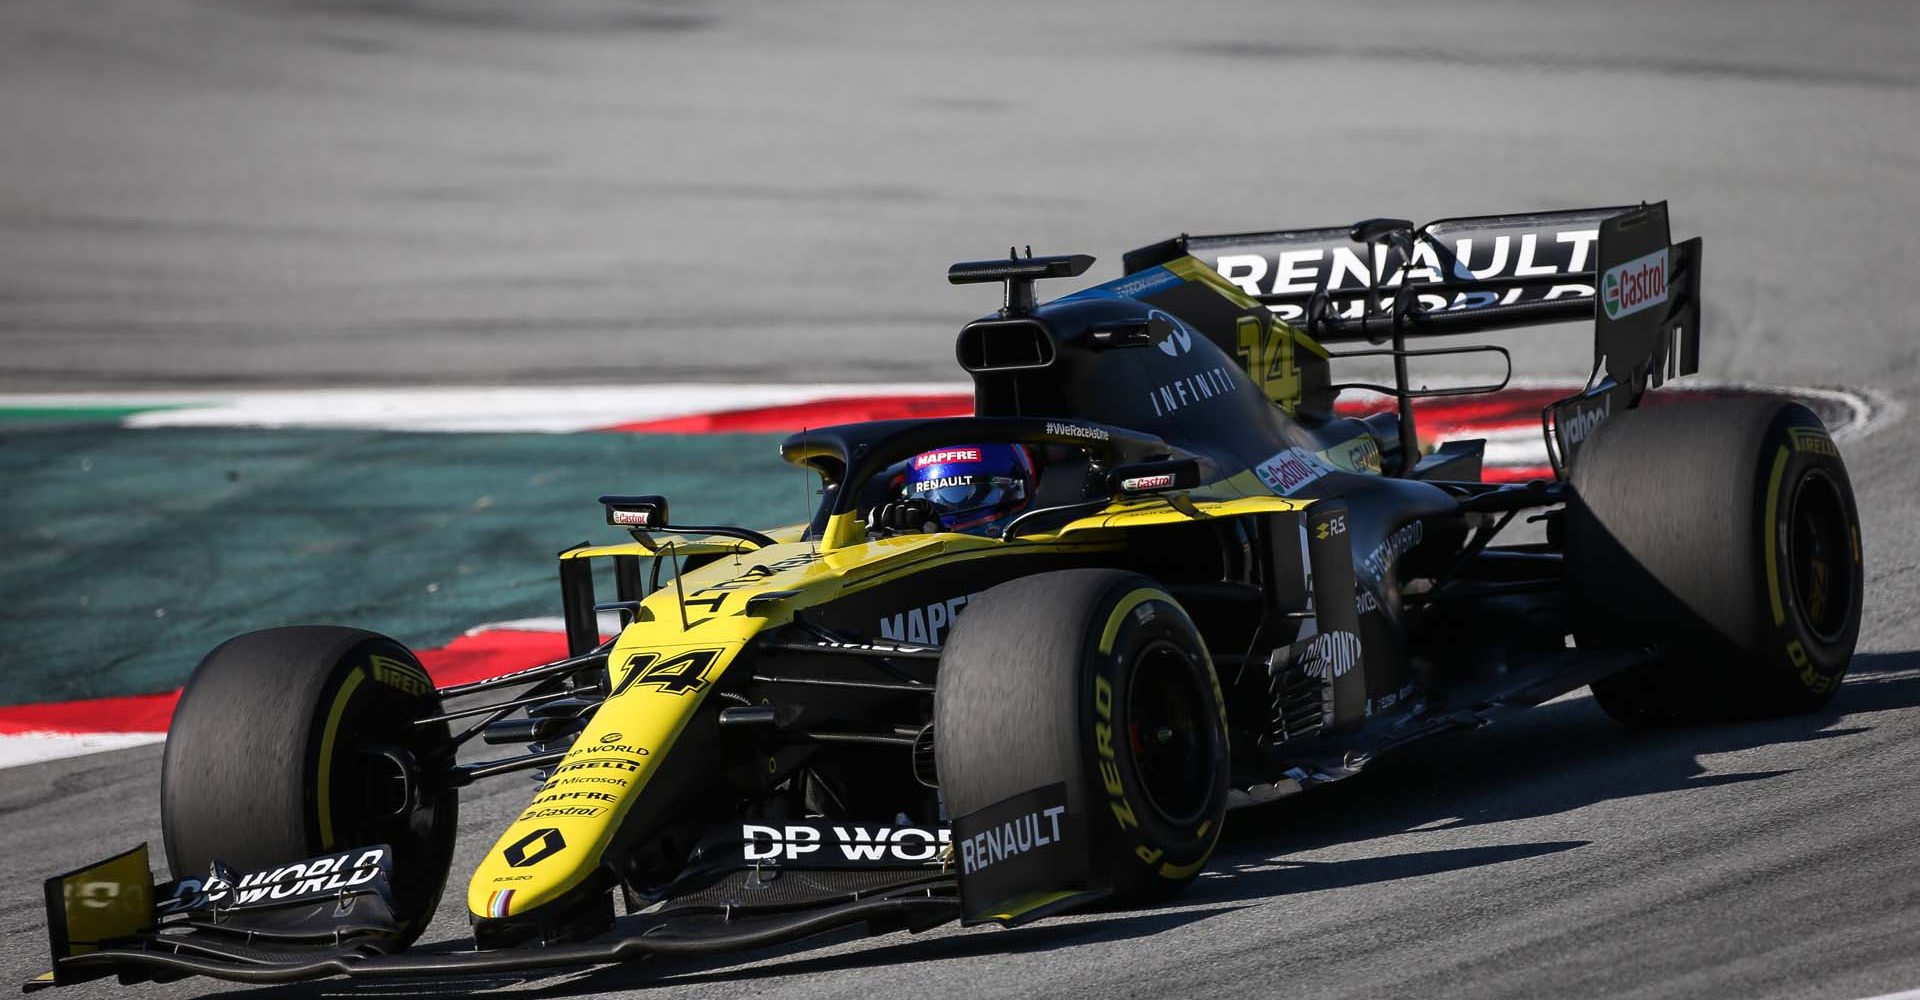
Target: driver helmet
(975, 488)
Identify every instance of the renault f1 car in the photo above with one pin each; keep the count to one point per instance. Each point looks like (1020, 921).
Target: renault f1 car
(1222, 593)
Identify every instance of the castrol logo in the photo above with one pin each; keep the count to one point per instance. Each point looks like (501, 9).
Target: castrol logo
(1638, 284)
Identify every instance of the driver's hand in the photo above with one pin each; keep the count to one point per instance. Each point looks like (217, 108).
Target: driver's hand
(902, 517)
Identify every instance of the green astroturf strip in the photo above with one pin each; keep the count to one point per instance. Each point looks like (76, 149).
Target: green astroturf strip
(73, 414)
(126, 554)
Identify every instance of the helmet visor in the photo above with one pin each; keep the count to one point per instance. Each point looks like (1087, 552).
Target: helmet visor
(958, 495)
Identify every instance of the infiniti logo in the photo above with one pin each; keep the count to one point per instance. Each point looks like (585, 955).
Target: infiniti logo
(1178, 342)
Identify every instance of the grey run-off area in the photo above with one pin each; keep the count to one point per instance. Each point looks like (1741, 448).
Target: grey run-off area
(254, 193)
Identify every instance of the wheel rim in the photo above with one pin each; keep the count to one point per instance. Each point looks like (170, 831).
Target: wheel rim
(1820, 556)
(1169, 733)
(380, 796)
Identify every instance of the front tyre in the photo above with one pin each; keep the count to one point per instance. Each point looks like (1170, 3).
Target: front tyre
(294, 742)
(1098, 679)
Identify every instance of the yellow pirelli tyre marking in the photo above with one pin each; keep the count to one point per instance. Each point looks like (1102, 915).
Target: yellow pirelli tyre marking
(1173, 871)
(327, 736)
(1119, 615)
(1122, 809)
(1773, 531)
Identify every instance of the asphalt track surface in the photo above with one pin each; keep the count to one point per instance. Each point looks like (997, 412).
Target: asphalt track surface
(269, 193)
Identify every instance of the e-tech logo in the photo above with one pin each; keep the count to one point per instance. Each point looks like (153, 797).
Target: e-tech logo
(1391, 548)
(1638, 284)
(922, 626)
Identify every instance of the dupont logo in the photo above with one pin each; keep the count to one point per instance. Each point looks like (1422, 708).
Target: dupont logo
(1638, 284)
(946, 455)
(1331, 655)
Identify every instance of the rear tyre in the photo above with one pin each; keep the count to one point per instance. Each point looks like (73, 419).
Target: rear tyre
(1098, 679)
(1725, 531)
(295, 742)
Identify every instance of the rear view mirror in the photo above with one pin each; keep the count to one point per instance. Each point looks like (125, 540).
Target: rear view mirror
(1154, 477)
(648, 512)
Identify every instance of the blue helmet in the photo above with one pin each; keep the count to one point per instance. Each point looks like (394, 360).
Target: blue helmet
(974, 487)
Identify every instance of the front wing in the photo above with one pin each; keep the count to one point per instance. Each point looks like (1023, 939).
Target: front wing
(747, 887)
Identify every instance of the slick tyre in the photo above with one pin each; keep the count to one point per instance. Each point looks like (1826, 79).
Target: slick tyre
(296, 742)
(1726, 532)
(1098, 679)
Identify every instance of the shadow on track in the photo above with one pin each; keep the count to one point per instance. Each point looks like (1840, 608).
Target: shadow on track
(1557, 758)
(1552, 759)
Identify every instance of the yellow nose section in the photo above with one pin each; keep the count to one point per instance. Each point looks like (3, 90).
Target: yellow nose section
(556, 843)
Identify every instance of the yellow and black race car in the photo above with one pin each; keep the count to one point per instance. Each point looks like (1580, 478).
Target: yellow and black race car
(1197, 588)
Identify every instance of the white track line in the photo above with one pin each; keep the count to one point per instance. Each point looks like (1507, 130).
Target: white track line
(565, 409)
(32, 747)
(29, 748)
(549, 409)
(503, 409)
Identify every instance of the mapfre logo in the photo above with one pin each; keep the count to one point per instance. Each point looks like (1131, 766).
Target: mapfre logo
(1179, 339)
(944, 456)
(923, 626)
(1638, 284)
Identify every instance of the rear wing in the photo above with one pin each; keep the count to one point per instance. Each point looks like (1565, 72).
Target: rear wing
(1386, 279)
(1473, 274)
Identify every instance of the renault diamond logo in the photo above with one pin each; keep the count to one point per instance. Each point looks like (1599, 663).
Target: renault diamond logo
(534, 848)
